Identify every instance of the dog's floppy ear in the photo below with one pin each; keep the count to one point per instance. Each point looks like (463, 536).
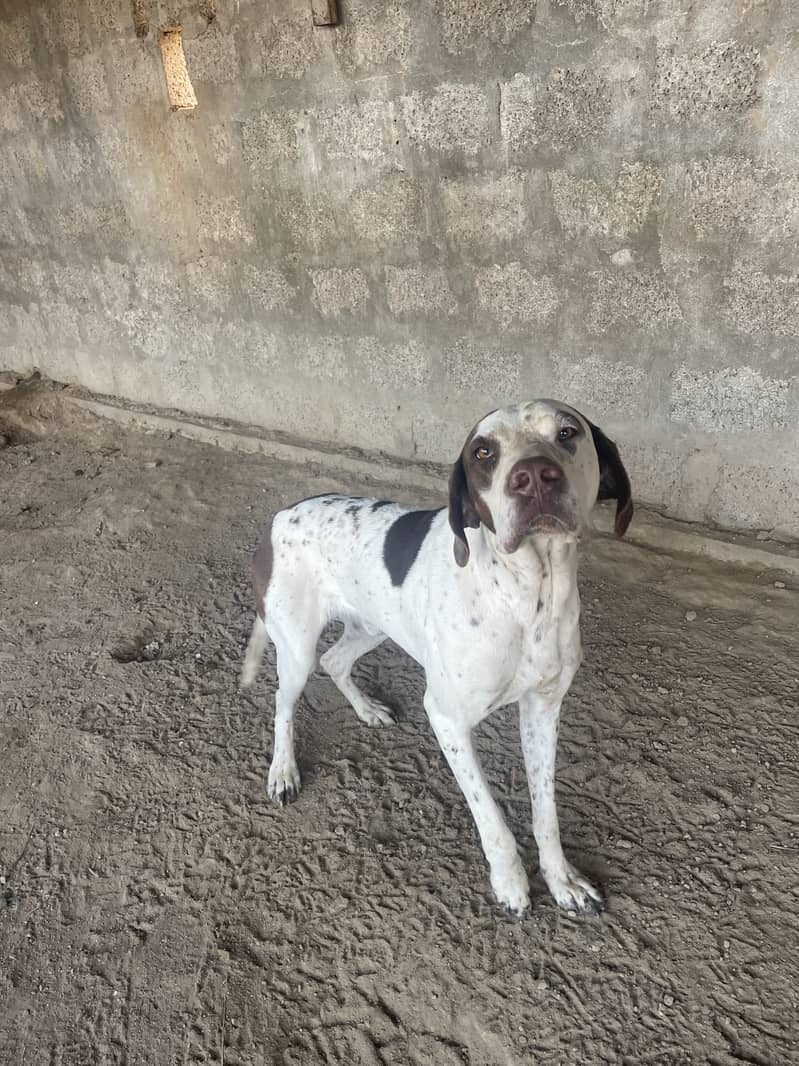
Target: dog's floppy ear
(462, 512)
(614, 484)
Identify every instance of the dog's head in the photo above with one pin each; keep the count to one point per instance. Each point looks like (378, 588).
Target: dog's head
(534, 469)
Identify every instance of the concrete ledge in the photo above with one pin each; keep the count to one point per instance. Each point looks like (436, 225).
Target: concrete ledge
(648, 530)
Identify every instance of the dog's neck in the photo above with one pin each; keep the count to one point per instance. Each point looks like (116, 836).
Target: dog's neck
(536, 580)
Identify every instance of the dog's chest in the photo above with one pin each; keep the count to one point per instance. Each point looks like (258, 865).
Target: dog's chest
(508, 653)
(549, 653)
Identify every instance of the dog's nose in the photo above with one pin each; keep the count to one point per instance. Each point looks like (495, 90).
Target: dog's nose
(531, 477)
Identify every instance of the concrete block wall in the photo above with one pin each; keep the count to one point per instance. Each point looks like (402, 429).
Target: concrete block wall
(368, 235)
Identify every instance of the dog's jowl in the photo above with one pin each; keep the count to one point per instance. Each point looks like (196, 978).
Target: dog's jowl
(483, 594)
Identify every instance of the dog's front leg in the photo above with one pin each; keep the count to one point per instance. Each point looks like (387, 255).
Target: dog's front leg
(508, 878)
(538, 722)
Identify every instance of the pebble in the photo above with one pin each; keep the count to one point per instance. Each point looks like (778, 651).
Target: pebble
(668, 1000)
(779, 584)
(682, 721)
(690, 616)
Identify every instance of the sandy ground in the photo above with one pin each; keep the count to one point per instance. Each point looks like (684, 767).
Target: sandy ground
(154, 908)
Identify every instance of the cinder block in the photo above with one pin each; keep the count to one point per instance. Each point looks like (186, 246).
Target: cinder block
(72, 282)
(325, 357)
(257, 348)
(607, 12)
(778, 107)
(757, 495)
(271, 137)
(72, 162)
(454, 118)
(88, 86)
(353, 130)
(511, 294)
(338, 292)
(267, 287)
(61, 29)
(484, 212)
(62, 322)
(399, 366)
(105, 226)
(17, 230)
(492, 372)
(113, 282)
(24, 164)
(721, 78)
(16, 41)
(154, 335)
(470, 24)
(211, 282)
(314, 224)
(729, 399)
(569, 109)
(735, 195)
(122, 154)
(12, 111)
(211, 56)
(288, 47)
(24, 331)
(41, 99)
(419, 289)
(388, 211)
(367, 423)
(762, 303)
(105, 18)
(157, 283)
(639, 298)
(598, 386)
(618, 209)
(376, 33)
(224, 220)
(138, 76)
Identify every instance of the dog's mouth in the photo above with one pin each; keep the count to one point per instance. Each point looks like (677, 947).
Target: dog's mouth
(547, 523)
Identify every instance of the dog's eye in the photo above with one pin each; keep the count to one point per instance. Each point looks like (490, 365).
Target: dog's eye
(566, 433)
(482, 452)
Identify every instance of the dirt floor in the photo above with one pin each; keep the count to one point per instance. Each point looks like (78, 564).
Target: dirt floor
(154, 908)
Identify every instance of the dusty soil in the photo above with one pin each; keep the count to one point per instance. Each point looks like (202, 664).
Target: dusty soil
(154, 907)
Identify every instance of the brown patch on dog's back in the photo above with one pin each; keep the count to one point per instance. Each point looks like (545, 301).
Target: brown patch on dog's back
(262, 569)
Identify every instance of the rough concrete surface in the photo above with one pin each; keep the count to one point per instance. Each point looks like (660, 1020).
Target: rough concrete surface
(154, 908)
(599, 193)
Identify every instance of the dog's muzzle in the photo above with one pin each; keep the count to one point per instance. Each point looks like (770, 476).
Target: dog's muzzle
(539, 488)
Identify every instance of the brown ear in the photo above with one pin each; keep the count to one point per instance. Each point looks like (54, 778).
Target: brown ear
(462, 512)
(614, 484)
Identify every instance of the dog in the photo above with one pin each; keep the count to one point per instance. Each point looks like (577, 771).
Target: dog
(482, 594)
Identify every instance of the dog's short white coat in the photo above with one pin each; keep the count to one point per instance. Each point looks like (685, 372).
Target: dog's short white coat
(500, 629)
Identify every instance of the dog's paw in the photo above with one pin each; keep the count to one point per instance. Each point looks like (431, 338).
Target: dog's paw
(574, 893)
(283, 784)
(373, 713)
(512, 888)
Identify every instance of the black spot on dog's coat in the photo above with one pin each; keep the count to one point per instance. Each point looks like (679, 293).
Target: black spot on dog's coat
(381, 503)
(403, 540)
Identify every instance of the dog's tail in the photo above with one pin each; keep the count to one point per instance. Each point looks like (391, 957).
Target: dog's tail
(255, 650)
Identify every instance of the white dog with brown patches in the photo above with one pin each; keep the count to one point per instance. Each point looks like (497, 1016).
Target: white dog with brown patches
(483, 594)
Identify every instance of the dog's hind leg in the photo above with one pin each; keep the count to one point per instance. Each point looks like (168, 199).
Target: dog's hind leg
(295, 654)
(355, 641)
